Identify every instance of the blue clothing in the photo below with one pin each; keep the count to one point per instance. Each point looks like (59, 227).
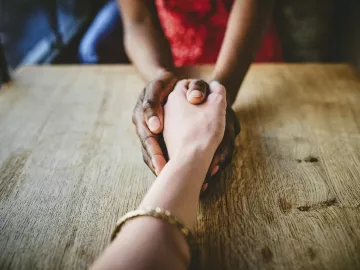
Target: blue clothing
(103, 42)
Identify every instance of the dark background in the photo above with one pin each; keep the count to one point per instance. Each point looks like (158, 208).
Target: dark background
(49, 31)
(39, 31)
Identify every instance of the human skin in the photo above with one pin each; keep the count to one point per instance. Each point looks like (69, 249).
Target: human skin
(246, 26)
(192, 134)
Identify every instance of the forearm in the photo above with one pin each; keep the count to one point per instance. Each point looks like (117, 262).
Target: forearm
(178, 186)
(246, 27)
(147, 242)
(144, 39)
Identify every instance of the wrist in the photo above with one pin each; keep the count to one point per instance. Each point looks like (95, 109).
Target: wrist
(193, 164)
(197, 154)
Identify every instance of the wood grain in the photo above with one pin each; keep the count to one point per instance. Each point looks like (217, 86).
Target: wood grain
(70, 165)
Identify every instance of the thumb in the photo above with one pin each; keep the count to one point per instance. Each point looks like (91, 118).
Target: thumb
(152, 111)
(197, 91)
(155, 94)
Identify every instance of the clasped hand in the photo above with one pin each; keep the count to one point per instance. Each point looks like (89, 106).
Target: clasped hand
(163, 130)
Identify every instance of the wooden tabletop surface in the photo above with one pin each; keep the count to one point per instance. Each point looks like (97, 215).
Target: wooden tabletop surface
(70, 166)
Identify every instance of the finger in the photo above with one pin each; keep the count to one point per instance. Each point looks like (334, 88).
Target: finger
(152, 107)
(226, 158)
(217, 95)
(216, 87)
(197, 91)
(215, 162)
(137, 114)
(152, 152)
(204, 187)
(224, 153)
(220, 161)
(155, 95)
(150, 143)
(208, 182)
(147, 159)
(215, 170)
(181, 87)
(152, 147)
(231, 115)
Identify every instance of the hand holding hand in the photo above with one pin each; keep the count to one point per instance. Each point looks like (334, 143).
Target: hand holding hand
(148, 116)
(194, 127)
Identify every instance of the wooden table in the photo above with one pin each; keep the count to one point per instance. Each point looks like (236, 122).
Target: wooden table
(70, 165)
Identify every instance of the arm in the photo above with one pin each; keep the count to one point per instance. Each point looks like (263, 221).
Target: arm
(246, 27)
(149, 243)
(144, 39)
(150, 52)
(192, 135)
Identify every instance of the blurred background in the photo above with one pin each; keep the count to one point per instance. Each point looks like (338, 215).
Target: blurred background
(73, 31)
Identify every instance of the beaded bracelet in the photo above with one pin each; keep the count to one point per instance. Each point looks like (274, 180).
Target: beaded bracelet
(165, 216)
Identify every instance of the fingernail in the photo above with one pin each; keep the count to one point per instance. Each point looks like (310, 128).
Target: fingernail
(154, 123)
(215, 170)
(195, 94)
(204, 187)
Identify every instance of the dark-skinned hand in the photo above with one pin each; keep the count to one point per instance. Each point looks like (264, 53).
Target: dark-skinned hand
(148, 118)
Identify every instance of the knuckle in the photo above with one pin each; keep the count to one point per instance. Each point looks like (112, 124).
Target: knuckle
(133, 118)
(142, 95)
(222, 89)
(146, 140)
(148, 103)
(136, 114)
(184, 81)
(137, 109)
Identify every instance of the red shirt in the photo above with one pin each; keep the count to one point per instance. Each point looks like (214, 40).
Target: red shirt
(196, 29)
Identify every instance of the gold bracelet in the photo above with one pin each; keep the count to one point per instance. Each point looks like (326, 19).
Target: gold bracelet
(165, 216)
